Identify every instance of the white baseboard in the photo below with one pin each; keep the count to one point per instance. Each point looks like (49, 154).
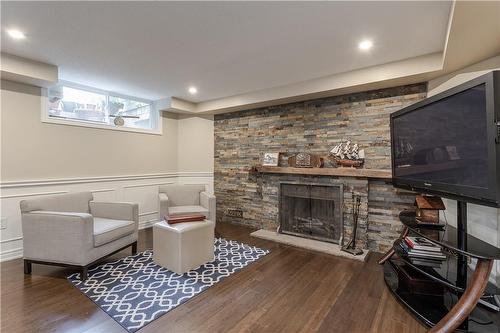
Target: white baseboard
(11, 254)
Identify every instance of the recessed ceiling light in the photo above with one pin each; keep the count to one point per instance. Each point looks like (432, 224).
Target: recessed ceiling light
(365, 45)
(192, 90)
(16, 34)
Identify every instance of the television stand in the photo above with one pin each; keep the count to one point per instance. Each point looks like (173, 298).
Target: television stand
(445, 298)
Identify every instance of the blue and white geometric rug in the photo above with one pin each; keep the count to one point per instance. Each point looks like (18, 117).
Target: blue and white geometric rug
(135, 291)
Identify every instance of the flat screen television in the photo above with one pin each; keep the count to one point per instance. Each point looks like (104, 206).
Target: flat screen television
(447, 144)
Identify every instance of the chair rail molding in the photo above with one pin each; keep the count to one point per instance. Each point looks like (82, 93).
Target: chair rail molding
(140, 188)
(79, 180)
(31, 194)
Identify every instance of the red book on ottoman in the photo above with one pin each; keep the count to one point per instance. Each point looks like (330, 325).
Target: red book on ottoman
(184, 218)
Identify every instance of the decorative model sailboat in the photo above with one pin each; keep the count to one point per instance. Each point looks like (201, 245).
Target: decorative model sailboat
(347, 154)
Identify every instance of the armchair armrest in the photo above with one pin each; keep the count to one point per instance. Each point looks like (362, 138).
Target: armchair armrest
(163, 205)
(208, 201)
(115, 210)
(57, 236)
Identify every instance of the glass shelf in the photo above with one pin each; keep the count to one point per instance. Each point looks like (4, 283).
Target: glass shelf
(430, 309)
(446, 273)
(475, 248)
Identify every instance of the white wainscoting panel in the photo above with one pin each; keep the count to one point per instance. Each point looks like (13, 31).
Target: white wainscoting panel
(142, 189)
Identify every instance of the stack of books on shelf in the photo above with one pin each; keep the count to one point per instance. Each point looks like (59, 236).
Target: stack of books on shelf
(422, 252)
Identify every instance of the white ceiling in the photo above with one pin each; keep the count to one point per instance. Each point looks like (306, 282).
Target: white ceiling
(158, 49)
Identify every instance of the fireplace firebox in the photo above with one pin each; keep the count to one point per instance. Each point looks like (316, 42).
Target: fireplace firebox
(311, 211)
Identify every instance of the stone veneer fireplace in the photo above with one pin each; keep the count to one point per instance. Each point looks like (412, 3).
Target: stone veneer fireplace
(251, 198)
(311, 211)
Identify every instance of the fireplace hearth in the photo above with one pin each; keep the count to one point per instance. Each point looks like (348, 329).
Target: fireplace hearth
(311, 210)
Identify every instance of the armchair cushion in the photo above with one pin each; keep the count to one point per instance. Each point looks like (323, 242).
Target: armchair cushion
(108, 230)
(188, 210)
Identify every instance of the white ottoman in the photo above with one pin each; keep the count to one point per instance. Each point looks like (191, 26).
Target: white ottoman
(182, 247)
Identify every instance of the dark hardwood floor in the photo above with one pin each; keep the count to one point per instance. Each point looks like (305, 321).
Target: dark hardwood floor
(289, 290)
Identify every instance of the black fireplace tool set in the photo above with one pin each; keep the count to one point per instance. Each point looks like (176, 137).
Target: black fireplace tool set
(351, 246)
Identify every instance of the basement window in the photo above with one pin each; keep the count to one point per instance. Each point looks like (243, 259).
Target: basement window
(71, 104)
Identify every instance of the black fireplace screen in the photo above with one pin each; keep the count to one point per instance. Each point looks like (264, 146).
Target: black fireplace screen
(312, 211)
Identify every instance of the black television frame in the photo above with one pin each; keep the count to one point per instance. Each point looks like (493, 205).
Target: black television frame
(490, 197)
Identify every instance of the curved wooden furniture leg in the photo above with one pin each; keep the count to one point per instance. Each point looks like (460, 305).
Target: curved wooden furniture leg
(468, 301)
(391, 251)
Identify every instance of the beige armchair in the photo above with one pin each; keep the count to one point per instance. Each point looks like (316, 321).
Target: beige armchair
(72, 230)
(186, 199)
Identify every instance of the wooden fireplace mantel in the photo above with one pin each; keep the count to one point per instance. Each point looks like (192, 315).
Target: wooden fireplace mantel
(336, 172)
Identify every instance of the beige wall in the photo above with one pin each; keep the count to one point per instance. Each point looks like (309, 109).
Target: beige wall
(483, 222)
(195, 144)
(31, 149)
